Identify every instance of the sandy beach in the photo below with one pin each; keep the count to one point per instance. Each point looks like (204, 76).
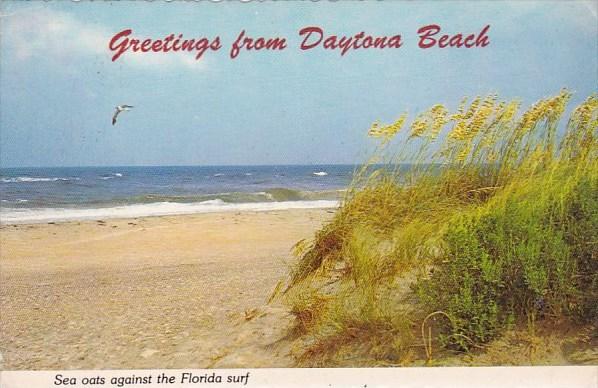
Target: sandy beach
(183, 291)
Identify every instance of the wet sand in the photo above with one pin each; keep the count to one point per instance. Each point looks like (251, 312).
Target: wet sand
(159, 292)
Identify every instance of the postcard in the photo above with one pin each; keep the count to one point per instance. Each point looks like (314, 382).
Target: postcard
(235, 193)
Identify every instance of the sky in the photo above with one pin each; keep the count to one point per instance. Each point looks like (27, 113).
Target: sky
(59, 87)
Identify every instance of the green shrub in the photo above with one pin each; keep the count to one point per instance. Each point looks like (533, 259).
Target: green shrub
(528, 253)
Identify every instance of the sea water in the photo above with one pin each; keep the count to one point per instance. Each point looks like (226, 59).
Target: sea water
(77, 193)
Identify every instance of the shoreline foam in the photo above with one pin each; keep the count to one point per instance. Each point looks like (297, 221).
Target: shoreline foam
(10, 216)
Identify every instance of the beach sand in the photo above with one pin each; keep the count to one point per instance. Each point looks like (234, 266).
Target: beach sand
(184, 291)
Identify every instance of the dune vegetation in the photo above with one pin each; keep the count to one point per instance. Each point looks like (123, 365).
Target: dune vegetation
(466, 228)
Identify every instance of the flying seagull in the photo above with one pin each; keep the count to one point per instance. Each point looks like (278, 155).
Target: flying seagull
(119, 109)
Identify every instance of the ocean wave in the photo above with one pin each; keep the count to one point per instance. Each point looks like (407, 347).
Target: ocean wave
(278, 194)
(283, 194)
(27, 179)
(233, 197)
(111, 176)
(320, 173)
(20, 216)
(17, 200)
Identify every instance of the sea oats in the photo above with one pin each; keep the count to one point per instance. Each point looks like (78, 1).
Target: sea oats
(388, 131)
(419, 126)
(495, 211)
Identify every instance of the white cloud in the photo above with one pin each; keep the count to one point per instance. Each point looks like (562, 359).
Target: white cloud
(591, 7)
(165, 61)
(41, 33)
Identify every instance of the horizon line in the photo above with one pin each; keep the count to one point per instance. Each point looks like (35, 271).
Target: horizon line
(188, 165)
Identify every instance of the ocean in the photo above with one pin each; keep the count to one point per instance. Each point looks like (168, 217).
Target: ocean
(31, 195)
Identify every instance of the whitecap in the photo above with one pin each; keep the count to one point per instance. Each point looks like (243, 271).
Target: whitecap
(320, 173)
(27, 179)
(111, 176)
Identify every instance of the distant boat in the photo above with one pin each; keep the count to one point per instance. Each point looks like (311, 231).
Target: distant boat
(120, 108)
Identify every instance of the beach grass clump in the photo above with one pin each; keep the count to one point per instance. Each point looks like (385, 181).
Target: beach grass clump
(472, 221)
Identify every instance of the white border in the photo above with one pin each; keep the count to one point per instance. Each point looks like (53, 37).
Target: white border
(465, 377)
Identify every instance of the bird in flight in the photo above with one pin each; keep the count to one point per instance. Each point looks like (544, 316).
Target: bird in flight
(119, 109)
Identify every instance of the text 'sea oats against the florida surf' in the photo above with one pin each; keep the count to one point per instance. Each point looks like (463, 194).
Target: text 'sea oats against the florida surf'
(311, 37)
(150, 378)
